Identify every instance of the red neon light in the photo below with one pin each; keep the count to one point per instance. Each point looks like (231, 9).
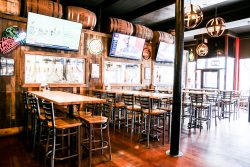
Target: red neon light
(7, 44)
(237, 64)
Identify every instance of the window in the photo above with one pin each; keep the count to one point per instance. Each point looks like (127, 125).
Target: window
(51, 69)
(118, 72)
(244, 82)
(164, 75)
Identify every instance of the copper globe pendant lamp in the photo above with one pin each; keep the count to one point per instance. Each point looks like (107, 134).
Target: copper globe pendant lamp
(216, 26)
(193, 15)
(202, 48)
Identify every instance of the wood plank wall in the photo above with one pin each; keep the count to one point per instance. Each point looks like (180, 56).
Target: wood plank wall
(11, 87)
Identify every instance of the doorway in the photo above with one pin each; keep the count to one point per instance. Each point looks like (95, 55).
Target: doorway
(210, 79)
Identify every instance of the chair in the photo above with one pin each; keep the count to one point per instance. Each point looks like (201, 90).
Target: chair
(95, 125)
(154, 120)
(39, 124)
(28, 114)
(27, 109)
(200, 111)
(227, 102)
(186, 107)
(133, 111)
(236, 98)
(166, 105)
(94, 108)
(213, 99)
(118, 109)
(61, 128)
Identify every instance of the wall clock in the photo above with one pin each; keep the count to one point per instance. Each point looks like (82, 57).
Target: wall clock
(95, 46)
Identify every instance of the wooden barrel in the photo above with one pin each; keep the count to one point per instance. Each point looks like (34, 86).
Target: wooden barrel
(11, 7)
(119, 25)
(160, 36)
(81, 15)
(44, 7)
(143, 32)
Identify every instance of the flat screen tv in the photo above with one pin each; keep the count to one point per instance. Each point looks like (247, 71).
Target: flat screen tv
(45, 31)
(165, 53)
(126, 46)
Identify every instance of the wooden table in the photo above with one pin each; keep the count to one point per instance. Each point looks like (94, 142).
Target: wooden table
(137, 93)
(66, 99)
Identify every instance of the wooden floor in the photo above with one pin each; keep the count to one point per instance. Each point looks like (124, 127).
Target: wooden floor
(227, 145)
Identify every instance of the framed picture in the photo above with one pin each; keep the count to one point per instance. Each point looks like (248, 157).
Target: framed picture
(95, 71)
(147, 73)
(7, 67)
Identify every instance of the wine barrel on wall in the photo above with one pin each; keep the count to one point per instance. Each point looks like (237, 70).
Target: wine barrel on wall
(120, 26)
(81, 15)
(44, 7)
(11, 7)
(160, 36)
(143, 32)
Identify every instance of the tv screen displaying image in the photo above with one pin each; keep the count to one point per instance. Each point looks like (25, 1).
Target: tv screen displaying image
(126, 46)
(45, 31)
(165, 53)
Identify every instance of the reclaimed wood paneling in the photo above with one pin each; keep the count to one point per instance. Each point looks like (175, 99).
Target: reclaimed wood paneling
(11, 107)
(11, 87)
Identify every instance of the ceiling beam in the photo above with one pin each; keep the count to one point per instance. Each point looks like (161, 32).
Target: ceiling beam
(107, 3)
(157, 4)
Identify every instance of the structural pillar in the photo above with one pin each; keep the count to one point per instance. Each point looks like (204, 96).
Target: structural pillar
(177, 90)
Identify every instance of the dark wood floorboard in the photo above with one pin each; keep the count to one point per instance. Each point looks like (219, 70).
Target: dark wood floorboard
(227, 145)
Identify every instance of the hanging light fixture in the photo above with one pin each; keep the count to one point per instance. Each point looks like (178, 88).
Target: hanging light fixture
(202, 48)
(193, 15)
(216, 26)
(191, 55)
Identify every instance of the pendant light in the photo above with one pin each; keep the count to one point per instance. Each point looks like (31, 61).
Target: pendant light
(193, 15)
(202, 48)
(216, 26)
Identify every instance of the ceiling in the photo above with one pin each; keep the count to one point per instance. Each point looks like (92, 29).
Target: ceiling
(159, 14)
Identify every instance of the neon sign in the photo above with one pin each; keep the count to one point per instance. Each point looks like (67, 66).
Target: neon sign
(11, 38)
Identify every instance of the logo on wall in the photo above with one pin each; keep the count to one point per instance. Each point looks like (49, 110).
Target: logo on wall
(11, 38)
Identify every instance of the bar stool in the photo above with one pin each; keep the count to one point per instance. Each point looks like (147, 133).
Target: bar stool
(39, 124)
(227, 102)
(154, 120)
(213, 99)
(186, 107)
(56, 128)
(118, 109)
(133, 112)
(200, 111)
(95, 126)
(27, 112)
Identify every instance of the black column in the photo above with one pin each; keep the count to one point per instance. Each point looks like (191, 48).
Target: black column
(99, 19)
(249, 107)
(176, 112)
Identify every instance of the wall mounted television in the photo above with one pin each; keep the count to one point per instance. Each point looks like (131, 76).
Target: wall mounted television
(165, 53)
(126, 46)
(45, 31)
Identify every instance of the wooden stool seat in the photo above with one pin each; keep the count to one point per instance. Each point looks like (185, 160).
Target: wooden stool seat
(83, 114)
(134, 107)
(168, 109)
(203, 105)
(119, 104)
(96, 119)
(154, 111)
(65, 123)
